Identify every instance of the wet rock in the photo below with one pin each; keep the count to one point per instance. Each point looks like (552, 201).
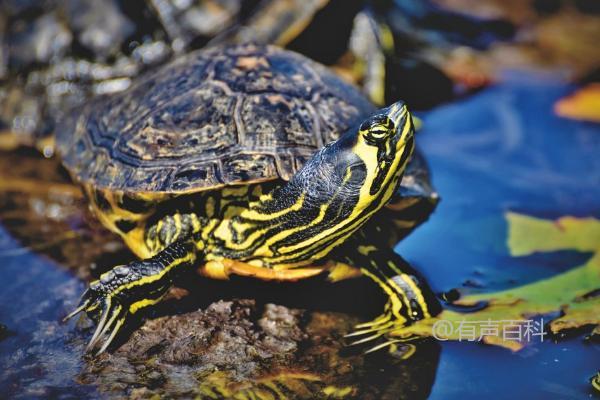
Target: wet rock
(241, 348)
(151, 52)
(46, 38)
(24, 110)
(169, 353)
(209, 17)
(280, 324)
(187, 21)
(100, 26)
(56, 55)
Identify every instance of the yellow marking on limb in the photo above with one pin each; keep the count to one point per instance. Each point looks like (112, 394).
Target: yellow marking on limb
(418, 293)
(340, 271)
(134, 307)
(396, 304)
(159, 225)
(195, 223)
(380, 320)
(393, 284)
(405, 278)
(153, 278)
(92, 307)
(400, 292)
(177, 219)
(209, 228)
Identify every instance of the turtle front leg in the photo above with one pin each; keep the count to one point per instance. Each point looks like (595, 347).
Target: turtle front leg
(409, 297)
(126, 289)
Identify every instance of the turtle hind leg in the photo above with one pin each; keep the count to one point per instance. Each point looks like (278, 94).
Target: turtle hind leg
(409, 297)
(126, 289)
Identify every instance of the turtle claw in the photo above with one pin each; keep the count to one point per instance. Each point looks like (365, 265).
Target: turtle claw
(112, 317)
(90, 300)
(114, 324)
(366, 339)
(379, 324)
(76, 311)
(381, 331)
(111, 320)
(101, 327)
(380, 346)
(379, 328)
(406, 352)
(371, 330)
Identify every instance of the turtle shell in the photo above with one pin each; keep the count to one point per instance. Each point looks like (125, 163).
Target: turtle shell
(218, 116)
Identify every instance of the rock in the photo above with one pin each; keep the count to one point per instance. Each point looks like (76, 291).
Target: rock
(100, 26)
(241, 348)
(44, 39)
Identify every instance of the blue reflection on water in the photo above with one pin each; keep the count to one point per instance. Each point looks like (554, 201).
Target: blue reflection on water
(35, 360)
(504, 150)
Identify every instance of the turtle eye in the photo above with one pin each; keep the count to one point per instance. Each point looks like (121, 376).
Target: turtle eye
(379, 131)
(377, 128)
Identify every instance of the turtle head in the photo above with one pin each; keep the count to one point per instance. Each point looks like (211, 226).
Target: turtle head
(384, 143)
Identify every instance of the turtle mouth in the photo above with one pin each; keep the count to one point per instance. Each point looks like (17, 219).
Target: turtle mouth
(403, 133)
(400, 117)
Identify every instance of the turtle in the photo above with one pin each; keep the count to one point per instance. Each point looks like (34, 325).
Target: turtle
(248, 160)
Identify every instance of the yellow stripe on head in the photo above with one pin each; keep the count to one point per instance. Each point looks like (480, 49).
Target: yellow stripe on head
(385, 143)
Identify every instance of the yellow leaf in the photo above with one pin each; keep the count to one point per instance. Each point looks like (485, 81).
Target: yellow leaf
(582, 105)
(571, 292)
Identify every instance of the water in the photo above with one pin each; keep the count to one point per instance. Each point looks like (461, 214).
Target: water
(504, 150)
(37, 357)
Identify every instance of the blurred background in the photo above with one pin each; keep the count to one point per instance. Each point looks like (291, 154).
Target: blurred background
(508, 97)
